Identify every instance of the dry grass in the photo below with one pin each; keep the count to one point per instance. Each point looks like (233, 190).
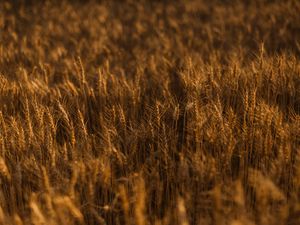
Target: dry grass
(150, 112)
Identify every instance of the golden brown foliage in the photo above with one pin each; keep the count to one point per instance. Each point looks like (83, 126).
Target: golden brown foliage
(149, 112)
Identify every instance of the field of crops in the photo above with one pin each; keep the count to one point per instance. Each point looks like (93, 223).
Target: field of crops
(150, 112)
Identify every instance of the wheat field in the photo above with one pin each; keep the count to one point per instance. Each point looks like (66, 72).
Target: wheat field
(150, 112)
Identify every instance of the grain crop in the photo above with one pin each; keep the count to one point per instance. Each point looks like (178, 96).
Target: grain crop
(150, 112)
